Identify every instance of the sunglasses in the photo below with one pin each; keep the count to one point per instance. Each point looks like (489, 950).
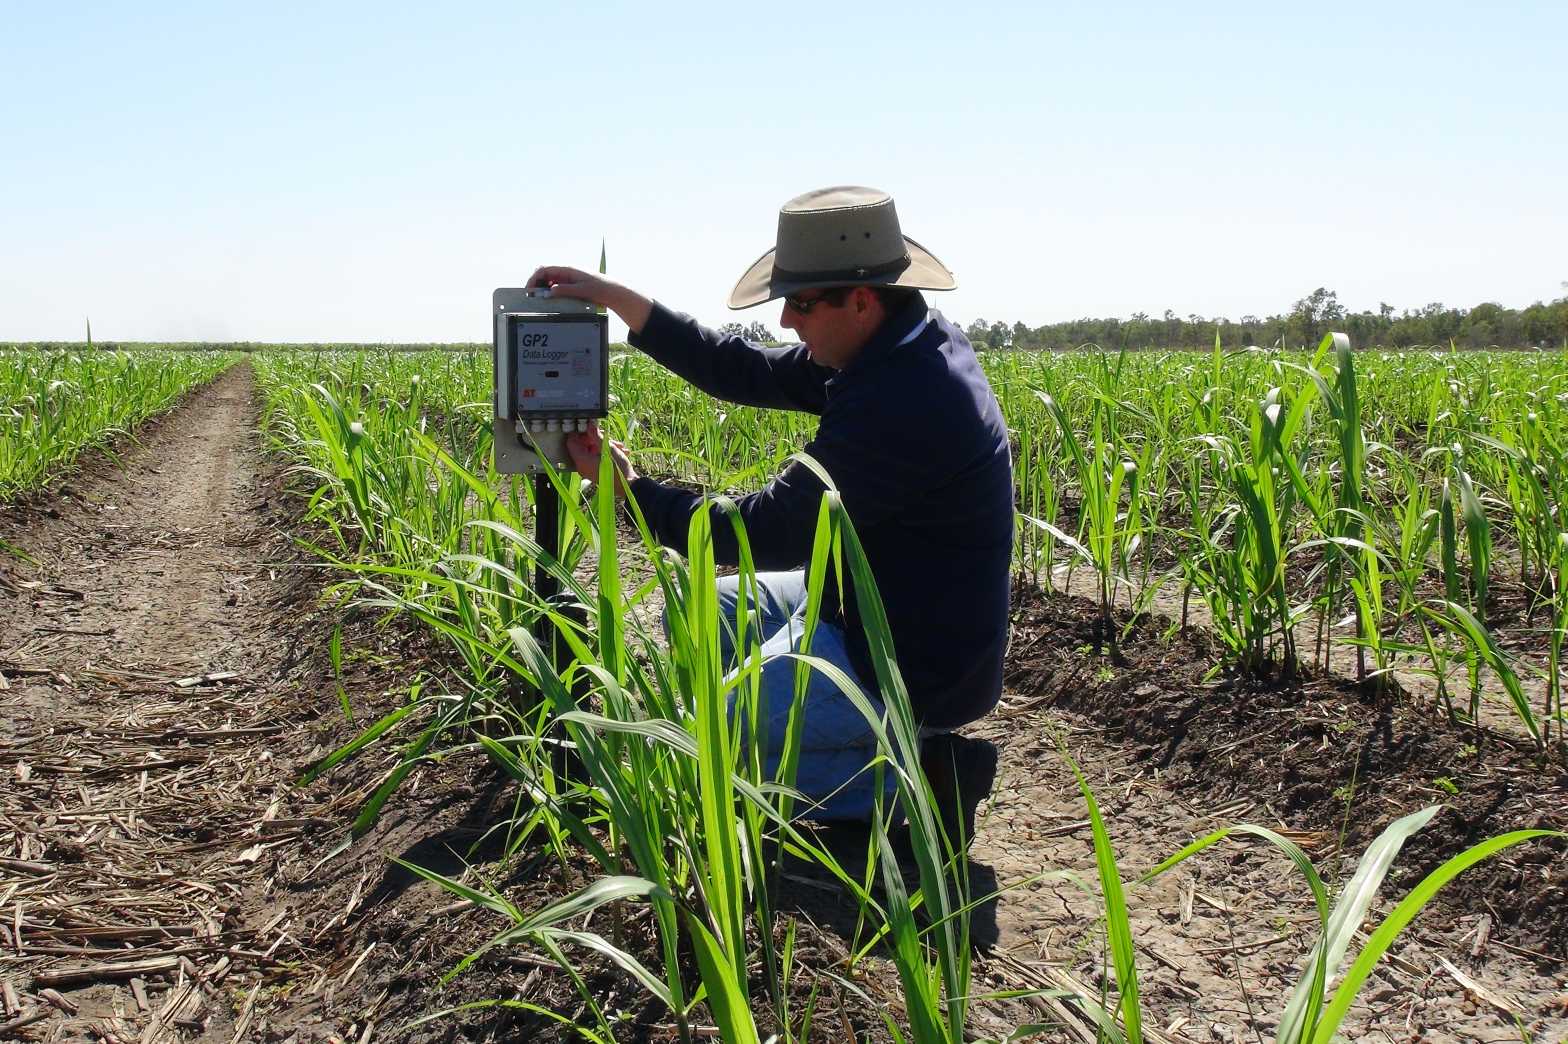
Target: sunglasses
(833, 296)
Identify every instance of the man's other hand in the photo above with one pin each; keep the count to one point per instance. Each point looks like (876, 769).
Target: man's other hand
(587, 448)
(632, 307)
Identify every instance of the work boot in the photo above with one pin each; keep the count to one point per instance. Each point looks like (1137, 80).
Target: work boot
(961, 772)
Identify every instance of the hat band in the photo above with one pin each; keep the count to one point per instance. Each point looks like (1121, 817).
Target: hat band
(833, 275)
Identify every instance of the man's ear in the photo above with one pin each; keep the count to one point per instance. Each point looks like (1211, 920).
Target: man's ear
(866, 302)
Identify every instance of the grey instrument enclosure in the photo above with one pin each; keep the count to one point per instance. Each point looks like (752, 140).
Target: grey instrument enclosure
(551, 358)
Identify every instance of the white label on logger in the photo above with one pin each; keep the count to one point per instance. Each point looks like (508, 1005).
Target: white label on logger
(558, 367)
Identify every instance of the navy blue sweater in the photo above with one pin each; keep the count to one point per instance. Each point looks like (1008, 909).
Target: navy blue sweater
(915, 443)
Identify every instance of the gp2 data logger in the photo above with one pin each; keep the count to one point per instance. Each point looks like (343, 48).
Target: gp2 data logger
(552, 376)
(551, 360)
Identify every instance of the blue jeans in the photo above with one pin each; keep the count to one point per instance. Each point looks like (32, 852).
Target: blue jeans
(837, 744)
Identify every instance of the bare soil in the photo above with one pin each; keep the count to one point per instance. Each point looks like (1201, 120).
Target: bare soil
(1172, 757)
(151, 685)
(160, 657)
(165, 679)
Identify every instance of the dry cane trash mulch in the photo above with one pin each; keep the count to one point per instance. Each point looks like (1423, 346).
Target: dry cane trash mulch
(127, 844)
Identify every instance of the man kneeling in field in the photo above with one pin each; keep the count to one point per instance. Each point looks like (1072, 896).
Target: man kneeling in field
(914, 441)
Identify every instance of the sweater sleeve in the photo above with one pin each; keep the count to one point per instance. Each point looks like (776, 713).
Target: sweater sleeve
(733, 368)
(873, 472)
(780, 518)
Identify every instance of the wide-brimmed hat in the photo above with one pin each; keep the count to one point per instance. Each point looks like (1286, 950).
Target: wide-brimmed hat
(840, 236)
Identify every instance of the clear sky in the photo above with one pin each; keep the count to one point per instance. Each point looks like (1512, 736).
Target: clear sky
(369, 172)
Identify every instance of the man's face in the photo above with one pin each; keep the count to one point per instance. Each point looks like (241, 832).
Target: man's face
(834, 324)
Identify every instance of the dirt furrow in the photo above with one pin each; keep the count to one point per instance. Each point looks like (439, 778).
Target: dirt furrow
(140, 710)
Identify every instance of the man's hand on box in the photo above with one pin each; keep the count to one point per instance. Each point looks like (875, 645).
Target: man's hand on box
(573, 282)
(632, 307)
(587, 448)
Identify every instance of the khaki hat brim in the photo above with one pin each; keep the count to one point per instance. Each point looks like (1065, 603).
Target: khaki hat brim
(758, 285)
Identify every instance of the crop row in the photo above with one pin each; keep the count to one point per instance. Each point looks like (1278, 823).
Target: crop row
(1410, 506)
(55, 404)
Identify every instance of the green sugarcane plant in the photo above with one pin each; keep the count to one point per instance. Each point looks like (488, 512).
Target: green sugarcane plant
(1108, 532)
(1484, 650)
(1240, 565)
